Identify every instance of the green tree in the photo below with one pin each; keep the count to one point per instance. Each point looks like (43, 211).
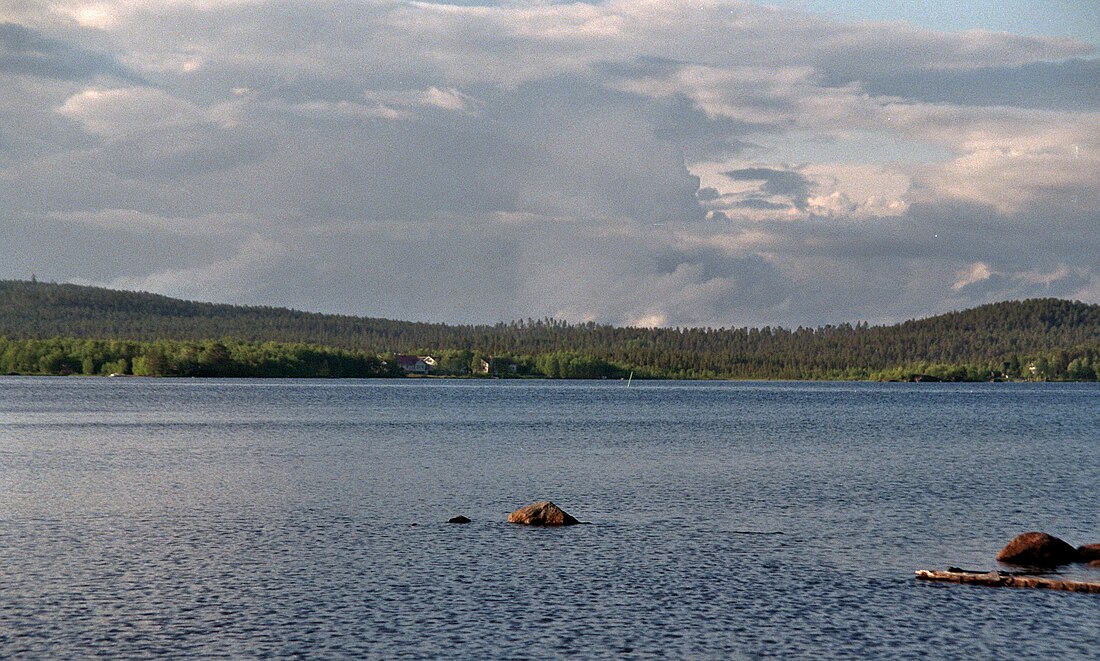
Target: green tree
(1081, 369)
(215, 360)
(153, 362)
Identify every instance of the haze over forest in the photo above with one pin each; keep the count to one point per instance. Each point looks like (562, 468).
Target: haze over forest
(627, 162)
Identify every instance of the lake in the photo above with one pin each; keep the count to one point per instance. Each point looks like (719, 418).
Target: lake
(247, 518)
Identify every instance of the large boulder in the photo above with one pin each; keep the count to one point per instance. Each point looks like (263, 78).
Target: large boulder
(1089, 553)
(542, 513)
(1037, 549)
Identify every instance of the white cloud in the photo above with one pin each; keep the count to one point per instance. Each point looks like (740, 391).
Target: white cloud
(97, 15)
(433, 97)
(1044, 159)
(125, 112)
(976, 272)
(347, 109)
(648, 321)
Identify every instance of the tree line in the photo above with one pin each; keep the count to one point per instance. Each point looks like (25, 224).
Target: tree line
(233, 358)
(1042, 339)
(210, 358)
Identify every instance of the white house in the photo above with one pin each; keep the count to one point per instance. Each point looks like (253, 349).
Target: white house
(415, 364)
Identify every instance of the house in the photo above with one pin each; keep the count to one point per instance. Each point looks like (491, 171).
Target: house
(495, 366)
(414, 364)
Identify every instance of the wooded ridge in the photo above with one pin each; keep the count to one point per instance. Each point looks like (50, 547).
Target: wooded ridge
(51, 328)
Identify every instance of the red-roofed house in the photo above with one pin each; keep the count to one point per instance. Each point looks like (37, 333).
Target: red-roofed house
(415, 364)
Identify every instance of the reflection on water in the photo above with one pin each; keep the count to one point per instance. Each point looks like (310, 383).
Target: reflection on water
(244, 518)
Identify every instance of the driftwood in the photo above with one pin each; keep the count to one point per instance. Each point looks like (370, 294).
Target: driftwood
(1001, 579)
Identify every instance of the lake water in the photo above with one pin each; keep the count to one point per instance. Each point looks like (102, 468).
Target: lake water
(218, 518)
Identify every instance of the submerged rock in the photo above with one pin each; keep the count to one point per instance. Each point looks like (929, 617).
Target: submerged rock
(542, 513)
(1089, 553)
(458, 519)
(1037, 549)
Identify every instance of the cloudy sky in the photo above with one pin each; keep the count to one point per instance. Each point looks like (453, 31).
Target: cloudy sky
(645, 162)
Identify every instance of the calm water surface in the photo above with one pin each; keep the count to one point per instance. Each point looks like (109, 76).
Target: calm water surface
(144, 517)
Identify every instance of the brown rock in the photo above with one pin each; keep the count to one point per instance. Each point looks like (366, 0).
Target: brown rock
(1089, 553)
(1094, 563)
(542, 513)
(1037, 549)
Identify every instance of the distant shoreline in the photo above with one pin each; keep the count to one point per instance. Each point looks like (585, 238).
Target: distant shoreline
(469, 377)
(52, 329)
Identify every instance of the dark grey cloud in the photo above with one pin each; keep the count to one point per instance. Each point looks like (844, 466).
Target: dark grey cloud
(678, 118)
(1072, 85)
(786, 183)
(708, 194)
(27, 52)
(698, 134)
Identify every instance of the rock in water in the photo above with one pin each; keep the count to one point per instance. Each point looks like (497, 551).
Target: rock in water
(543, 513)
(1089, 553)
(1037, 549)
(458, 519)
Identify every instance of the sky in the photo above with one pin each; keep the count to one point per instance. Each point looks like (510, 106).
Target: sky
(1079, 19)
(634, 162)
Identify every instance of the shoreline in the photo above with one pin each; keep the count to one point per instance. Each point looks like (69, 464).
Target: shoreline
(469, 377)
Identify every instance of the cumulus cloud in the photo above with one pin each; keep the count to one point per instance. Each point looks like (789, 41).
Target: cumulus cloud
(649, 163)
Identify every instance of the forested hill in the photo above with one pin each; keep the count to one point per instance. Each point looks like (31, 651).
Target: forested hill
(41, 310)
(1043, 338)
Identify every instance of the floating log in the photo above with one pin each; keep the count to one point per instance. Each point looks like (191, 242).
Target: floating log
(1001, 579)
